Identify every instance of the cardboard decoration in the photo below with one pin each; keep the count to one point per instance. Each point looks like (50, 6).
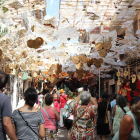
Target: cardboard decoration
(29, 79)
(41, 77)
(20, 75)
(99, 46)
(118, 74)
(107, 45)
(83, 59)
(79, 66)
(103, 53)
(133, 78)
(8, 71)
(125, 73)
(75, 60)
(119, 83)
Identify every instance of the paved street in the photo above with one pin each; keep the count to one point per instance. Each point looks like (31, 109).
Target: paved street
(62, 135)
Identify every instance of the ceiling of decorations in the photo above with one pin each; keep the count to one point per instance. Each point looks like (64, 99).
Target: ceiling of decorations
(26, 33)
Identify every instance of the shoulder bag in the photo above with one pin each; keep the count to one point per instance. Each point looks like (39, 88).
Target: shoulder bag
(123, 110)
(106, 121)
(48, 116)
(63, 97)
(67, 111)
(27, 123)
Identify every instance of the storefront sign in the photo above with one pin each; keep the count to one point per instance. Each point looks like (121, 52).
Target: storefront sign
(111, 82)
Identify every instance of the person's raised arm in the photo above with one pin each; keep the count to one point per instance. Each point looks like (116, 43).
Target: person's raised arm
(8, 126)
(93, 101)
(126, 126)
(77, 99)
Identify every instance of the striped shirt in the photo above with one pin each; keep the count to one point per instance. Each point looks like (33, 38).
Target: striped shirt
(34, 119)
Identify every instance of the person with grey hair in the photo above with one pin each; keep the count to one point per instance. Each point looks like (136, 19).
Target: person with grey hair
(84, 114)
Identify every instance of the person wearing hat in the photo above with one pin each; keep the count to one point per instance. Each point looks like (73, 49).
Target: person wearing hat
(63, 99)
(83, 125)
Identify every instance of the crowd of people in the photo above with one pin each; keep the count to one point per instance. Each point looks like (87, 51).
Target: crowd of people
(82, 116)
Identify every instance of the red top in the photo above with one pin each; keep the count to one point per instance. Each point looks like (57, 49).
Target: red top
(137, 86)
(63, 100)
(56, 104)
(123, 90)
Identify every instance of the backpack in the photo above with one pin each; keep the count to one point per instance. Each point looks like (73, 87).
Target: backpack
(67, 111)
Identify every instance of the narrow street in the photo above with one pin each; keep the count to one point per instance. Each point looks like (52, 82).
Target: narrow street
(62, 135)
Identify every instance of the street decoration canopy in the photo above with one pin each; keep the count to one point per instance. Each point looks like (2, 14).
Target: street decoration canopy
(104, 30)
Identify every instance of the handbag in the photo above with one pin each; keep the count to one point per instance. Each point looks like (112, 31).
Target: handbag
(106, 121)
(67, 111)
(123, 110)
(27, 124)
(63, 97)
(48, 116)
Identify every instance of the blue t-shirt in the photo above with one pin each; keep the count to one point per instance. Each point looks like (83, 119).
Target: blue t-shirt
(5, 111)
(113, 103)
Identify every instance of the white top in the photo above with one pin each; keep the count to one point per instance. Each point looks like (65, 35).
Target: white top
(71, 116)
(40, 98)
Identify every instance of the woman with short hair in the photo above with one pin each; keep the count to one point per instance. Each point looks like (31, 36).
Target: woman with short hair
(27, 120)
(82, 127)
(119, 110)
(130, 125)
(50, 115)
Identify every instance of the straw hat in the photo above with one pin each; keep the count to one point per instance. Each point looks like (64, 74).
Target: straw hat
(50, 72)
(52, 79)
(8, 70)
(103, 53)
(79, 66)
(90, 62)
(98, 65)
(100, 60)
(23, 67)
(75, 60)
(118, 74)
(59, 66)
(39, 41)
(99, 46)
(32, 67)
(31, 43)
(17, 67)
(133, 78)
(119, 83)
(20, 75)
(53, 67)
(57, 71)
(0, 52)
(24, 54)
(29, 79)
(125, 73)
(107, 45)
(12, 66)
(34, 74)
(41, 77)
